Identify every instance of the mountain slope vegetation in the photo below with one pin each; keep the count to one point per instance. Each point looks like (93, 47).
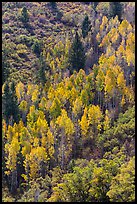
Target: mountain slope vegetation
(68, 101)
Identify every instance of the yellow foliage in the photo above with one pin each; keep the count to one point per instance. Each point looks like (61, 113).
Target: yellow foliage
(94, 115)
(123, 27)
(77, 106)
(106, 120)
(35, 95)
(65, 122)
(110, 82)
(121, 81)
(104, 22)
(42, 103)
(36, 142)
(23, 105)
(26, 148)
(123, 100)
(84, 122)
(12, 151)
(20, 90)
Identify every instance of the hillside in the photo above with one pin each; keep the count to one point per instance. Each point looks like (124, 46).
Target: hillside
(46, 24)
(68, 102)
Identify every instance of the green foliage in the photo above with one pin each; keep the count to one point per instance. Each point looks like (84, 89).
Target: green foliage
(85, 26)
(37, 47)
(77, 54)
(38, 190)
(75, 185)
(53, 4)
(123, 184)
(10, 102)
(5, 65)
(41, 77)
(116, 8)
(25, 15)
(123, 129)
(68, 129)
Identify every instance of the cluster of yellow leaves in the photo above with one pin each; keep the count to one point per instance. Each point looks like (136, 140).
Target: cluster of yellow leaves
(65, 122)
(77, 106)
(91, 120)
(33, 92)
(84, 122)
(20, 90)
(130, 49)
(11, 150)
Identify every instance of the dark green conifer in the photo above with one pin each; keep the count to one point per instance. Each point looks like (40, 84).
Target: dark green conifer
(85, 26)
(10, 103)
(41, 78)
(77, 54)
(116, 9)
(25, 15)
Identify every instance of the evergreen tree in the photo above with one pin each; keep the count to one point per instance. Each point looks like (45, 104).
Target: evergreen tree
(37, 47)
(116, 9)
(94, 5)
(85, 26)
(6, 107)
(25, 15)
(41, 71)
(53, 4)
(76, 54)
(10, 103)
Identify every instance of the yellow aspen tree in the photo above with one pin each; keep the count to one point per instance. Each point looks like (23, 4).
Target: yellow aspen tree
(30, 89)
(84, 97)
(130, 49)
(23, 106)
(121, 82)
(11, 150)
(67, 129)
(123, 27)
(77, 107)
(110, 82)
(26, 148)
(94, 118)
(10, 133)
(84, 122)
(20, 91)
(35, 94)
(11, 154)
(73, 95)
(42, 104)
(104, 22)
(55, 109)
(123, 101)
(33, 161)
(107, 120)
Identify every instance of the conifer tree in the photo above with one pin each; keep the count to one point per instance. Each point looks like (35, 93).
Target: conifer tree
(85, 26)
(25, 15)
(10, 103)
(53, 4)
(116, 8)
(41, 72)
(77, 54)
(6, 106)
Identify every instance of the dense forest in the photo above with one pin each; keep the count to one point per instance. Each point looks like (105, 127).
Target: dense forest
(68, 101)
